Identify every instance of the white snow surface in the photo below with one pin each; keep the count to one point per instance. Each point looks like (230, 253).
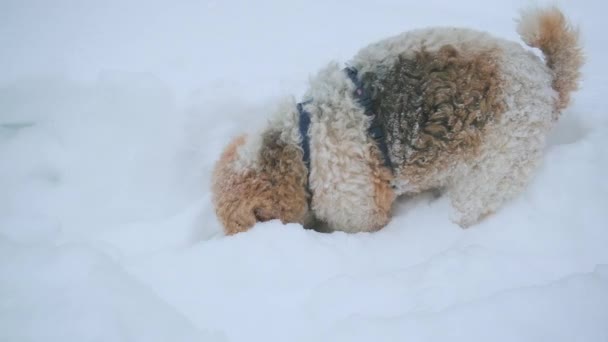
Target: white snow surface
(112, 114)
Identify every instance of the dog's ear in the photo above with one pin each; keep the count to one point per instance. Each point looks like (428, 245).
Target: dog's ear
(233, 208)
(284, 177)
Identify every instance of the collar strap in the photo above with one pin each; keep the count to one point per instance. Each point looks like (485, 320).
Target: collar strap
(375, 129)
(305, 143)
(304, 125)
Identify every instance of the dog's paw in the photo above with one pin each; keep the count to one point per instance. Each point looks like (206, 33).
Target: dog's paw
(464, 223)
(465, 220)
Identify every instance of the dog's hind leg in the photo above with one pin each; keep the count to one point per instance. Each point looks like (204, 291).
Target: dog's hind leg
(499, 175)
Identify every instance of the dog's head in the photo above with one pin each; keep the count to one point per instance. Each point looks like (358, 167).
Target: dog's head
(259, 184)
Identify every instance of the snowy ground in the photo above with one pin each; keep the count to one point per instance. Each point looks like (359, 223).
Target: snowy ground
(112, 114)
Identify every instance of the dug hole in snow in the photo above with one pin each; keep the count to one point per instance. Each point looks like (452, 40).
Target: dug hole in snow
(112, 115)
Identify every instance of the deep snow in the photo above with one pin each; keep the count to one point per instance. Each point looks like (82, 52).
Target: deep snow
(112, 114)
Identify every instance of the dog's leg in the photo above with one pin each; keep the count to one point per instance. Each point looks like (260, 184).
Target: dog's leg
(384, 197)
(361, 203)
(359, 211)
(497, 178)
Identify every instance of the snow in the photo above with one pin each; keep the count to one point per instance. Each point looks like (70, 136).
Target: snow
(112, 114)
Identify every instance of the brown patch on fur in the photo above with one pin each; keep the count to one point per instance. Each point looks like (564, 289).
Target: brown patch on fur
(384, 195)
(434, 107)
(274, 189)
(559, 42)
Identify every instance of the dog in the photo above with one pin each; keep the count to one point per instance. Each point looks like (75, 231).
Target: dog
(438, 108)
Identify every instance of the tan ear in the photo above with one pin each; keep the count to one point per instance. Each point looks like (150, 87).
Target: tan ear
(231, 206)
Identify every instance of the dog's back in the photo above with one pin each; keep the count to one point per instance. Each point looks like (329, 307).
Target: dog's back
(440, 92)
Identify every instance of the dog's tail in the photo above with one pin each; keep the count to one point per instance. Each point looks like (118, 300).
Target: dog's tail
(548, 30)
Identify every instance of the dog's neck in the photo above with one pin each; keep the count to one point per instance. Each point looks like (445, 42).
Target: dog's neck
(375, 129)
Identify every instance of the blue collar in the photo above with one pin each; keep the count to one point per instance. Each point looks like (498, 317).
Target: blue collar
(304, 126)
(375, 129)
